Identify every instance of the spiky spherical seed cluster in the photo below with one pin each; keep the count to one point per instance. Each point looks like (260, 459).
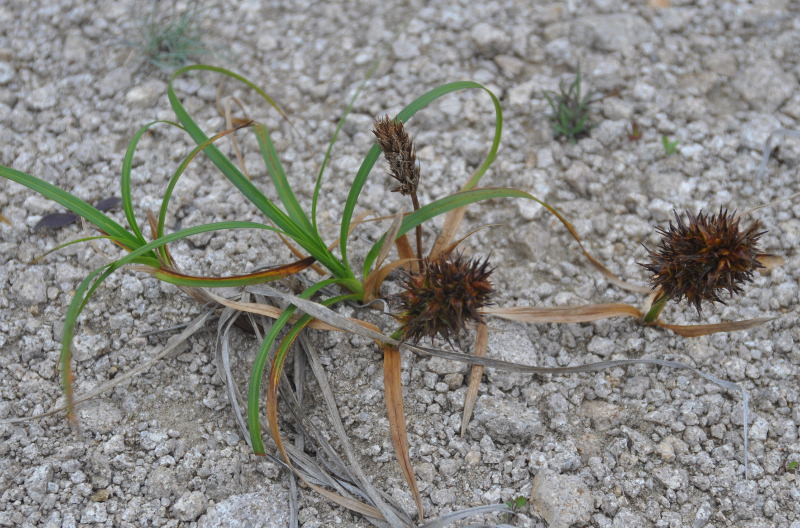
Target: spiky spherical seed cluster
(400, 153)
(701, 255)
(443, 297)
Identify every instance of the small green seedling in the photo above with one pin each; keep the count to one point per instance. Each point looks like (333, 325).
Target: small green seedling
(670, 147)
(515, 505)
(792, 466)
(570, 117)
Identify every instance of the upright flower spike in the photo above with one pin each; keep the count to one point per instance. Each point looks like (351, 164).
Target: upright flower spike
(701, 255)
(443, 297)
(400, 153)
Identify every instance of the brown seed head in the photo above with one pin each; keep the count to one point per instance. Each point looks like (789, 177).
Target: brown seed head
(703, 254)
(443, 297)
(399, 151)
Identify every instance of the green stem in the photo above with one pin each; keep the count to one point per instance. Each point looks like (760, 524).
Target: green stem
(655, 310)
(415, 201)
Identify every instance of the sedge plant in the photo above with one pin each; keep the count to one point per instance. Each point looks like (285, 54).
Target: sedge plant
(443, 291)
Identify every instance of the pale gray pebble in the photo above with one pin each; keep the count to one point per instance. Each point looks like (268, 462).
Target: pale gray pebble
(115, 81)
(506, 420)
(190, 506)
(267, 509)
(89, 346)
(764, 84)
(161, 482)
(626, 518)
(443, 497)
(670, 477)
(561, 500)
(602, 346)
(95, 512)
(30, 287)
(636, 386)
(617, 32)
(756, 130)
(603, 415)
(490, 40)
(146, 94)
(7, 72)
(130, 288)
(445, 366)
(36, 483)
(120, 321)
(405, 49)
(99, 416)
(42, 98)
(449, 467)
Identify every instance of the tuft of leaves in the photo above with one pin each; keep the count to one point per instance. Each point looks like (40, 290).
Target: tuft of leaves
(443, 297)
(570, 117)
(400, 153)
(170, 40)
(701, 255)
(670, 147)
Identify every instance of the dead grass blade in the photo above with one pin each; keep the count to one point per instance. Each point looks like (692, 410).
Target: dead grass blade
(452, 221)
(266, 310)
(373, 283)
(405, 252)
(564, 314)
(768, 147)
(770, 262)
(475, 375)
(393, 389)
(390, 235)
(593, 312)
(715, 328)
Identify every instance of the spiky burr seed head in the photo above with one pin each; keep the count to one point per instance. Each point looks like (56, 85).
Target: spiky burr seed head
(701, 255)
(400, 153)
(443, 297)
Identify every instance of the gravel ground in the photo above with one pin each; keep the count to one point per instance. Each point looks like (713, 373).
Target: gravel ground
(628, 447)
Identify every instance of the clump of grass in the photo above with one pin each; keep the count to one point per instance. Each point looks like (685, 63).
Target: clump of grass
(171, 39)
(570, 117)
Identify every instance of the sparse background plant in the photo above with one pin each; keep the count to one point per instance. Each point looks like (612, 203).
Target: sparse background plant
(172, 37)
(571, 109)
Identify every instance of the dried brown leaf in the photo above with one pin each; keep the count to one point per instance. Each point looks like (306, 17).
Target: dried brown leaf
(715, 328)
(476, 372)
(564, 314)
(393, 388)
(452, 221)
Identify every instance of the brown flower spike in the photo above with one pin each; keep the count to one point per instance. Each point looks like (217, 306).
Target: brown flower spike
(399, 151)
(704, 254)
(443, 297)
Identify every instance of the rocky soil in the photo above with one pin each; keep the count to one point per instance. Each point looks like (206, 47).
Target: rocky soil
(629, 447)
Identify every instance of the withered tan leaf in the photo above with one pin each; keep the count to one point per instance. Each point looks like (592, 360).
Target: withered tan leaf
(475, 375)
(393, 389)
